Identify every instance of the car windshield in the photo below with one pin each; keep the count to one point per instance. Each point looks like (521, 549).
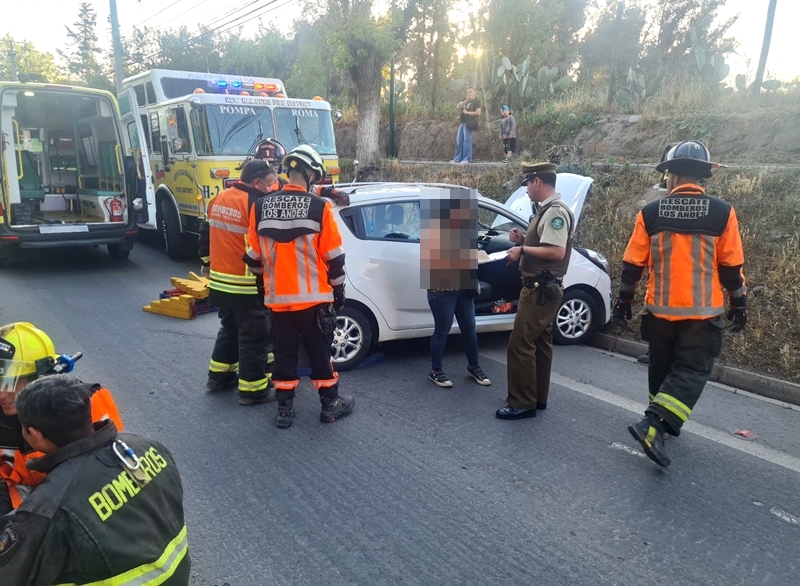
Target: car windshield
(309, 126)
(489, 219)
(230, 130)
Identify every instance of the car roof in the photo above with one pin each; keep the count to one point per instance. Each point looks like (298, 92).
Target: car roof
(378, 190)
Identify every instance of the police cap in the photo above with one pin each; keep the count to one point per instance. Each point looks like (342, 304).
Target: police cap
(532, 170)
(255, 169)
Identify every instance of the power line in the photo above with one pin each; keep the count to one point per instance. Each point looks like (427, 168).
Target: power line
(156, 14)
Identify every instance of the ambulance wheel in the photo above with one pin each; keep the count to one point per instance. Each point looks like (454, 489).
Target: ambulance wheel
(169, 225)
(116, 252)
(352, 339)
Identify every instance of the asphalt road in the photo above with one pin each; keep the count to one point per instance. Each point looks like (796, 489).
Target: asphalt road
(423, 485)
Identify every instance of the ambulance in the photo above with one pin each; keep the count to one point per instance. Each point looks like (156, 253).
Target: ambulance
(65, 175)
(194, 131)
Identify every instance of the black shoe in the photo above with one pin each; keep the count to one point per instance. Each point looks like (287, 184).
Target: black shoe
(651, 436)
(480, 378)
(285, 414)
(224, 383)
(541, 406)
(643, 359)
(333, 408)
(267, 396)
(439, 378)
(512, 413)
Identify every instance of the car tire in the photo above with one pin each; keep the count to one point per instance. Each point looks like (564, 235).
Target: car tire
(352, 339)
(9, 256)
(169, 224)
(576, 319)
(116, 252)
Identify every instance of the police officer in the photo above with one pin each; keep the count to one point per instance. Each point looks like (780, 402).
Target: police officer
(26, 354)
(244, 338)
(295, 243)
(690, 243)
(543, 253)
(110, 509)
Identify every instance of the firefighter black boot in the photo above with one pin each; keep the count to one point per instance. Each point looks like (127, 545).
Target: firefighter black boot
(650, 433)
(285, 414)
(336, 407)
(224, 382)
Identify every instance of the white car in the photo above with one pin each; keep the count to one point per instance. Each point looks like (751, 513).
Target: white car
(381, 233)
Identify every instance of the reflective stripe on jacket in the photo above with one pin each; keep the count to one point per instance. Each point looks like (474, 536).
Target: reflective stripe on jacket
(228, 223)
(90, 523)
(19, 479)
(691, 244)
(294, 240)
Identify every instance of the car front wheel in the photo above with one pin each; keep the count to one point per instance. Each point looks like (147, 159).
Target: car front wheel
(352, 339)
(576, 319)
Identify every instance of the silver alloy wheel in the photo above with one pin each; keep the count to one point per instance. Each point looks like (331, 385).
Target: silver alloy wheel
(348, 339)
(574, 318)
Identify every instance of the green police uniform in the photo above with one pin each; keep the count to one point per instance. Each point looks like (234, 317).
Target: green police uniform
(89, 522)
(530, 347)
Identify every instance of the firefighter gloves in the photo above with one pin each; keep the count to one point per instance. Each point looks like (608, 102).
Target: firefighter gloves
(338, 196)
(339, 297)
(738, 313)
(622, 309)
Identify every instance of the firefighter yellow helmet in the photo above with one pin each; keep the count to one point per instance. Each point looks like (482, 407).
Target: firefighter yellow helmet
(26, 352)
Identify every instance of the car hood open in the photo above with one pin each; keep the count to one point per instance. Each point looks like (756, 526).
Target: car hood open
(573, 189)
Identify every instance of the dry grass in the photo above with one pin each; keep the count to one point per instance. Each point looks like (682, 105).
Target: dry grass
(768, 208)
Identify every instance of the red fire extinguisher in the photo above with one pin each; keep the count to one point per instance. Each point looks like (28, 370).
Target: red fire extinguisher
(114, 207)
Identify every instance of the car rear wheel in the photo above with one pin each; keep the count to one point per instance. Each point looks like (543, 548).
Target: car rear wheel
(352, 339)
(576, 319)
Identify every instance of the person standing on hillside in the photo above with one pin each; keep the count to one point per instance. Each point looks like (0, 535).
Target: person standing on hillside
(470, 108)
(508, 133)
(691, 246)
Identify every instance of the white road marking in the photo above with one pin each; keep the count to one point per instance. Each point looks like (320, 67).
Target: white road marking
(752, 448)
(784, 516)
(627, 449)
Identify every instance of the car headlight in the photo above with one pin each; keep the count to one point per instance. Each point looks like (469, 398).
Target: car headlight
(597, 259)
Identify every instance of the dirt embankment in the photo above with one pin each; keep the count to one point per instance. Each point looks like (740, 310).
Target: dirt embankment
(748, 139)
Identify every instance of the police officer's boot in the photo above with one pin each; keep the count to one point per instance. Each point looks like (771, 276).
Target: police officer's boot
(333, 407)
(285, 414)
(650, 433)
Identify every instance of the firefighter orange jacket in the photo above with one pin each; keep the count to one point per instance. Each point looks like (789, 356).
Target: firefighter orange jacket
(13, 470)
(295, 242)
(690, 243)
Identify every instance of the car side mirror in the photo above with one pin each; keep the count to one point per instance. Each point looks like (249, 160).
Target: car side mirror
(337, 116)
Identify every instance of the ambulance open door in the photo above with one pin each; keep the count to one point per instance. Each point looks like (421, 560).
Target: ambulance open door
(136, 142)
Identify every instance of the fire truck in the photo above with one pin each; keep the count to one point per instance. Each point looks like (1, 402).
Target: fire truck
(194, 132)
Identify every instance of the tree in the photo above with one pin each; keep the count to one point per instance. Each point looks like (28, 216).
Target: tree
(267, 55)
(762, 62)
(82, 56)
(141, 50)
(362, 46)
(185, 50)
(597, 47)
(37, 66)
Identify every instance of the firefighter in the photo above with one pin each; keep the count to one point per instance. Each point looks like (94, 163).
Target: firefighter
(242, 352)
(295, 244)
(691, 246)
(26, 354)
(110, 509)
(543, 253)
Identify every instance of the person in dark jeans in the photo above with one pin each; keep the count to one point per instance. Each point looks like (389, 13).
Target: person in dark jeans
(444, 304)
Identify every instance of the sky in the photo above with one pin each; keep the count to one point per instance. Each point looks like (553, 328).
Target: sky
(44, 25)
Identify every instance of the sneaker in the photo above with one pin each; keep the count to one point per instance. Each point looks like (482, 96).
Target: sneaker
(477, 374)
(333, 408)
(651, 436)
(267, 397)
(505, 160)
(439, 378)
(454, 161)
(465, 162)
(285, 414)
(228, 381)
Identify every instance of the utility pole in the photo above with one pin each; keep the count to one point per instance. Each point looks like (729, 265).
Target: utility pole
(118, 71)
(612, 84)
(762, 62)
(12, 58)
(391, 93)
